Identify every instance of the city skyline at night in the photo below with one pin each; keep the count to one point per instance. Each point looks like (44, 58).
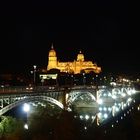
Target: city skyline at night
(69, 70)
(100, 30)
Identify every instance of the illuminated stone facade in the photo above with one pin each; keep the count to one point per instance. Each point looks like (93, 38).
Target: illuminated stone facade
(72, 67)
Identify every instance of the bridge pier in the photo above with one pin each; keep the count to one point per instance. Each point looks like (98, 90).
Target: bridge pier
(63, 99)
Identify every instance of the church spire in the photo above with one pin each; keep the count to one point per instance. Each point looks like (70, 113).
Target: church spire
(80, 56)
(52, 46)
(52, 59)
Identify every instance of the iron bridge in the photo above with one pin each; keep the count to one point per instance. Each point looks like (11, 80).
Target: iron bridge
(11, 97)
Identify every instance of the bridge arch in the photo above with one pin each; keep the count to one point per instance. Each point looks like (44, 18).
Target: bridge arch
(73, 95)
(32, 98)
(116, 91)
(104, 93)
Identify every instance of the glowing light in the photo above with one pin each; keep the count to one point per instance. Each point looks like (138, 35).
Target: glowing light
(105, 116)
(134, 101)
(26, 126)
(113, 83)
(81, 117)
(109, 94)
(99, 114)
(87, 117)
(34, 66)
(129, 99)
(100, 108)
(26, 107)
(85, 128)
(105, 108)
(117, 109)
(114, 96)
(100, 101)
(123, 94)
(109, 108)
(104, 94)
(124, 105)
(133, 91)
(67, 97)
(129, 92)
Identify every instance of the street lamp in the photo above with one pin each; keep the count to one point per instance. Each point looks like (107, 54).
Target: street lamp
(84, 79)
(42, 80)
(34, 66)
(72, 80)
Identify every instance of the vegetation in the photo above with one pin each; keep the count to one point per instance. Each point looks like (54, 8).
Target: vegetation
(10, 128)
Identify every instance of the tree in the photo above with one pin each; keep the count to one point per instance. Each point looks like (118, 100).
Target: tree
(10, 128)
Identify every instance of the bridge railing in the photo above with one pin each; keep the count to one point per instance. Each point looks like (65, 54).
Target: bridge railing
(15, 89)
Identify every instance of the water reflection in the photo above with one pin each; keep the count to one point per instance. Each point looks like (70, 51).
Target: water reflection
(110, 105)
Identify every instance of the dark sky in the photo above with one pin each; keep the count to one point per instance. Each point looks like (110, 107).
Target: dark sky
(100, 29)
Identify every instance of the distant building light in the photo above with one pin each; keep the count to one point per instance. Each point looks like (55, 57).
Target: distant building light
(48, 76)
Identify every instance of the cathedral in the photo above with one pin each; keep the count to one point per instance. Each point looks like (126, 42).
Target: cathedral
(75, 67)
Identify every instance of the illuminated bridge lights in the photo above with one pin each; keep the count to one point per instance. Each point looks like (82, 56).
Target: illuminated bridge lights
(100, 101)
(106, 102)
(87, 117)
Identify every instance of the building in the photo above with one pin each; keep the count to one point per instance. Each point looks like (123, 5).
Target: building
(75, 67)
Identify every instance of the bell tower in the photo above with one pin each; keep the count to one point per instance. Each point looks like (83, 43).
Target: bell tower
(52, 59)
(80, 57)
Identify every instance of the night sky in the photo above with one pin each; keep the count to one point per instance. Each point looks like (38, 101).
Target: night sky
(99, 29)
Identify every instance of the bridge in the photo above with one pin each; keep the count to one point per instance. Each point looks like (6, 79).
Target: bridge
(65, 97)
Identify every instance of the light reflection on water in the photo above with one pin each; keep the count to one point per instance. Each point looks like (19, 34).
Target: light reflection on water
(102, 113)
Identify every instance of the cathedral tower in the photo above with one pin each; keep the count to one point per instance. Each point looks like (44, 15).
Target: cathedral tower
(71, 67)
(80, 57)
(52, 59)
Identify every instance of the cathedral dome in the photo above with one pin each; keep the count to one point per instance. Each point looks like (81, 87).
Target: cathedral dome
(80, 57)
(52, 52)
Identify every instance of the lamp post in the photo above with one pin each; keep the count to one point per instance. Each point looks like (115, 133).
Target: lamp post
(42, 80)
(34, 66)
(72, 80)
(84, 79)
